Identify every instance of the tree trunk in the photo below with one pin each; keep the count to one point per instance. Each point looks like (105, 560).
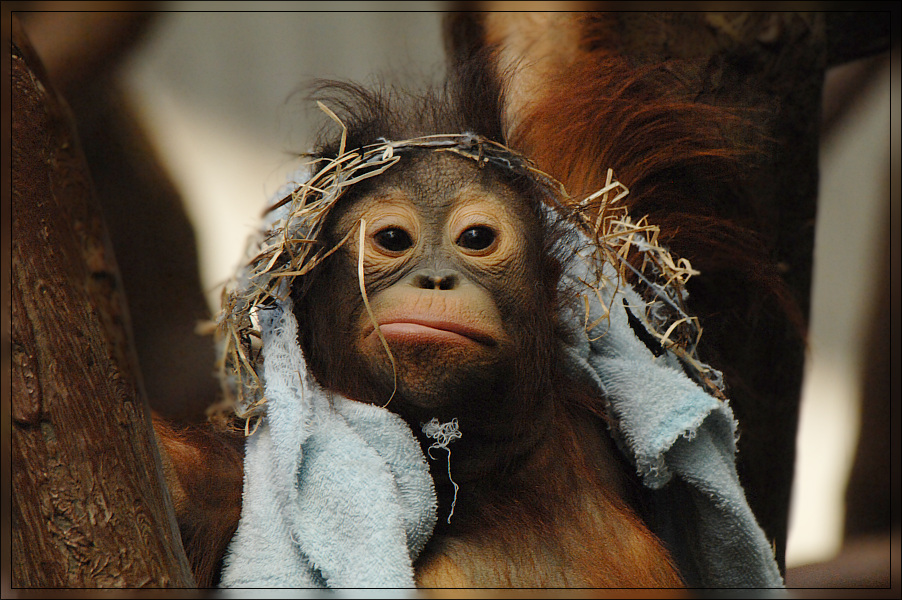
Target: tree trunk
(89, 505)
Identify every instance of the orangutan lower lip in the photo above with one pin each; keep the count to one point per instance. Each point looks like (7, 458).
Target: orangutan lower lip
(438, 330)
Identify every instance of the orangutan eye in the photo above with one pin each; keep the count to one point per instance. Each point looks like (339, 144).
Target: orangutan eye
(393, 239)
(476, 238)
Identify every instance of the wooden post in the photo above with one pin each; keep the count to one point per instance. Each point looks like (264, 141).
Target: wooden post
(89, 505)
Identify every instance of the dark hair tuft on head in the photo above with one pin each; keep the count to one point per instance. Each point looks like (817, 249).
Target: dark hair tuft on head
(468, 102)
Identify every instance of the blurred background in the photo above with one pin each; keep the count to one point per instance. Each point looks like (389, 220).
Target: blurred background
(214, 96)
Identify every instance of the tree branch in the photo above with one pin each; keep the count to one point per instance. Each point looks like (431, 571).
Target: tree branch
(89, 505)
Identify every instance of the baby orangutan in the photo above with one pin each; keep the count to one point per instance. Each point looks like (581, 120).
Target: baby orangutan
(457, 315)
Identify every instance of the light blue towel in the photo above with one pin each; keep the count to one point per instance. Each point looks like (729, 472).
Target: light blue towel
(337, 493)
(682, 441)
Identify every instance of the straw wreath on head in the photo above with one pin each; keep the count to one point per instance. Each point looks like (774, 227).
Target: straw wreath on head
(290, 247)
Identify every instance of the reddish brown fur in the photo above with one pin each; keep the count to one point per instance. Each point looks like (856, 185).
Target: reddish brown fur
(682, 159)
(561, 519)
(204, 470)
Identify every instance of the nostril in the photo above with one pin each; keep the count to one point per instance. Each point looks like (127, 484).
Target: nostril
(448, 282)
(424, 282)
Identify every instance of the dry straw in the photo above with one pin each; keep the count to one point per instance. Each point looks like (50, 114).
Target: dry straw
(291, 248)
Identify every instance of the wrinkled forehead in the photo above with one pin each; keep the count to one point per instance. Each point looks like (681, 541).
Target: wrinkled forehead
(438, 182)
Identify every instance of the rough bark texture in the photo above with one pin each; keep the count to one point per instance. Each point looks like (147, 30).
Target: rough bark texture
(89, 506)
